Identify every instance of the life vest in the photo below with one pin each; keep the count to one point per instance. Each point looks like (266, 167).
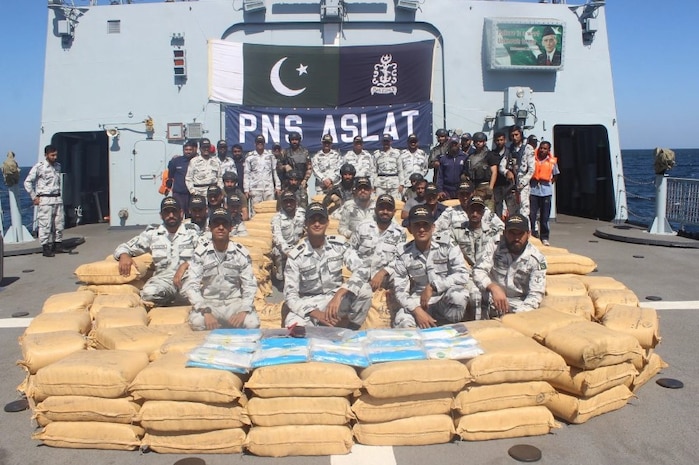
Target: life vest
(164, 189)
(543, 169)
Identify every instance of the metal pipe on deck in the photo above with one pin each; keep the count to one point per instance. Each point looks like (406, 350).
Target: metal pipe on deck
(660, 224)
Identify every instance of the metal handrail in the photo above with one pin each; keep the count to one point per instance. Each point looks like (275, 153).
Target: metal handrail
(683, 201)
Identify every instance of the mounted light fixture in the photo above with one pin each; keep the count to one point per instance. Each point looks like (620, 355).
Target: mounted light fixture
(411, 5)
(250, 6)
(112, 133)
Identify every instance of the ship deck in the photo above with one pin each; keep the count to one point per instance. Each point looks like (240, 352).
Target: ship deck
(659, 426)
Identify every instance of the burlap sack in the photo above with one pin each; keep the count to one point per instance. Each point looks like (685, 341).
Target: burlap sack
(370, 409)
(600, 282)
(506, 423)
(172, 330)
(575, 305)
(590, 345)
(114, 301)
(96, 373)
(477, 398)
(270, 314)
(107, 271)
(168, 416)
(379, 316)
(134, 338)
(640, 322)
(282, 441)
(82, 408)
(225, 441)
(78, 301)
(282, 411)
(488, 330)
(90, 435)
(42, 349)
(602, 298)
(255, 243)
(266, 206)
(114, 317)
(167, 378)
(52, 322)
(564, 286)
(513, 360)
(180, 343)
(588, 383)
(580, 409)
(414, 431)
(538, 323)
(313, 379)
(560, 263)
(653, 366)
(110, 289)
(158, 316)
(411, 378)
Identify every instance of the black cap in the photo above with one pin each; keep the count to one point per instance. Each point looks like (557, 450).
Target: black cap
(222, 143)
(548, 31)
(412, 137)
(259, 138)
(229, 176)
(190, 143)
(358, 139)
(416, 177)
(420, 213)
(386, 199)
(213, 190)
(170, 203)
(476, 200)
(204, 142)
(431, 188)
(517, 221)
(316, 208)
(197, 201)
(220, 215)
(234, 199)
(348, 168)
(327, 138)
(454, 140)
(288, 195)
(387, 137)
(362, 181)
(466, 186)
(441, 132)
(294, 135)
(466, 136)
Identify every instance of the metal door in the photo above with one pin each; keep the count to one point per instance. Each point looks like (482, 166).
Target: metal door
(149, 161)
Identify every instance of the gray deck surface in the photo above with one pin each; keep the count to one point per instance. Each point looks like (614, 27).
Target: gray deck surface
(659, 426)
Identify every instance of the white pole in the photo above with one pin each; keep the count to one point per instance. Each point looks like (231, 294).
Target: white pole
(660, 224)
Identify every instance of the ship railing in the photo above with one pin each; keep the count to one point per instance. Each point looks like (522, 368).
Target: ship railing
(683, 201)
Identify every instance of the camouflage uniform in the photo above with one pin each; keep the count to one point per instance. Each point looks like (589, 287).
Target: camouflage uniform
(523, 278)
(168, 254)
(202, 173)
(326, 166)
(363, 162)
(376, 248)
(286, 233)
(238, 228)
(351, 215)
(311, 280)
(524, 172)
(260, 176)
(472, 243)
(228, 164)
(413, 162)
(226, 285)
(445, 269)
(389, 172)
(44, 181)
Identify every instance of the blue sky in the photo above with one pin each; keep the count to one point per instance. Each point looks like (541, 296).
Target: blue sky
(654, 62)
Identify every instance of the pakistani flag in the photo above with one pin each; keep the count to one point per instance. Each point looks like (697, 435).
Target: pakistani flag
(316, 77)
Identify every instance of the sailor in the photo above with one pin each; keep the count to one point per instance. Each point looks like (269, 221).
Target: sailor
(357, 209)
(326, 166)
(430, 277)
(214, 197)
(177, 172)
(438, 150)
(43, 183)
(199, 213)
(362, 160)
(261, 178)
(518, 168)
(230, 187)
(170, 244)
(471, 224)
(389, 169)
(378, 241)
(414, 161)
(451, 166)
(294, 158)
(239, 159)
(342, 192)
(227, 163)
(234, 205)
(415, 194)
(203, 170)
(221, 285)
(479, 171)
(288, 227)
(512, 272)
(467, 144)
(313, 284)
(432, 204)
(10, 170)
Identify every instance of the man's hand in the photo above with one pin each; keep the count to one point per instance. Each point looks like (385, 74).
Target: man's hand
(333, 308)
(36, 200)
(125, 262)
(423, 319)
(500, 302)
(322, 318)
(377, 280)
(510, 176)
(211, 322)
(237, 320)
(401, 189)
(425, 297)
(177, 279)
(327, 183)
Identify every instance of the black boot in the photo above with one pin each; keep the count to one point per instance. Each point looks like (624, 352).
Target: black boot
(47, 252)
(58, 247)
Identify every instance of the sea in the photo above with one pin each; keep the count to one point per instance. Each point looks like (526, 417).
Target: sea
(638, 175)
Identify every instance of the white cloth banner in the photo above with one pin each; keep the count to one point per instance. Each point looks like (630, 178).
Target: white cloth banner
(226, 72)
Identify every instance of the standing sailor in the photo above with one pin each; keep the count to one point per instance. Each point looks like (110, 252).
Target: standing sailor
(326, 166)
(203, 170)
(261, 178)
(389, 169)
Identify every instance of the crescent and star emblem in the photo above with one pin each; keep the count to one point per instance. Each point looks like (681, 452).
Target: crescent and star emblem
(277, 83)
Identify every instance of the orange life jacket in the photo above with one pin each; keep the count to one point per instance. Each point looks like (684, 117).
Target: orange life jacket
(543, 169)
(164, 189)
